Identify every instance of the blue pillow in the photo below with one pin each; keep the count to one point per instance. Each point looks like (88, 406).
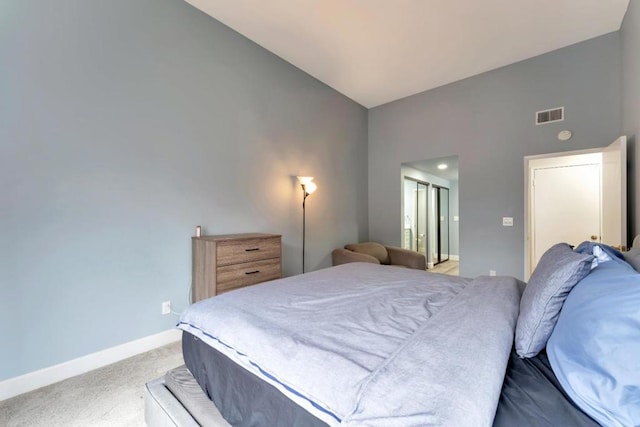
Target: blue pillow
(594, 349)
(600, 251)
(559, 269)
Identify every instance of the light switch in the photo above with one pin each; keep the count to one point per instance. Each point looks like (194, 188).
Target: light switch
(507, 221)
(456, 218)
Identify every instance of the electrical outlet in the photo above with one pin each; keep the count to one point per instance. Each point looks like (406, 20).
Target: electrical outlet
(507, 221)
(166, 307)
(492, 272)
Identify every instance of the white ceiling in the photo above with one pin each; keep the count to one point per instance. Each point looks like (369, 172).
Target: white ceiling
(377, 51)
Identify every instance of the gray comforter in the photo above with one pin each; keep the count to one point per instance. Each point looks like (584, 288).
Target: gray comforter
(364, 344)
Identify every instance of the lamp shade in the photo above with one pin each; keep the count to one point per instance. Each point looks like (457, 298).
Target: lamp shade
(305, 180)
(310, 187)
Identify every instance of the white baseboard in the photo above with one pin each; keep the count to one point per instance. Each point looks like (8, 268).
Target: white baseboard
(40, 378)
(454, 257)
(429, 265)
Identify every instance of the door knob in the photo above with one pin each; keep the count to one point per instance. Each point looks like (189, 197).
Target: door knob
(594, 237)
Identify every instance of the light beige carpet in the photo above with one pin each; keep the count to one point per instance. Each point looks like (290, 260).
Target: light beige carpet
(109, 396)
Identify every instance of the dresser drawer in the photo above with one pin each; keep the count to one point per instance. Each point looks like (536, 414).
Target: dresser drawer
(247, 250)
(245, 274)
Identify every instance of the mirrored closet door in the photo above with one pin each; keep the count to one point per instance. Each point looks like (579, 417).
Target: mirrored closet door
(441, 202)
(415, 215)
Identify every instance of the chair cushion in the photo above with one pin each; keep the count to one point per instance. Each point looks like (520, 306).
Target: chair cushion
(370, 248)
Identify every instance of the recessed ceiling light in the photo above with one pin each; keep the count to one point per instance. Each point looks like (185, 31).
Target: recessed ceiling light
(442, 166)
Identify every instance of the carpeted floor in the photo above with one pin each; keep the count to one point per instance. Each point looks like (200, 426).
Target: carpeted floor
(109, 396)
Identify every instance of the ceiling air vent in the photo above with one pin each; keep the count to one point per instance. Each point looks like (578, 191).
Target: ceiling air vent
(550, 116)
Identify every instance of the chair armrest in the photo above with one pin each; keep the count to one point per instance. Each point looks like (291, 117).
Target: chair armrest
(343, 256)
(411, 259)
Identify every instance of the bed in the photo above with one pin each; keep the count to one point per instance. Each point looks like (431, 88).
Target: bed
(363, 344)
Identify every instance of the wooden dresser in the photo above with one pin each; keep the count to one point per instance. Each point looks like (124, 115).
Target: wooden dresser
(231, 261)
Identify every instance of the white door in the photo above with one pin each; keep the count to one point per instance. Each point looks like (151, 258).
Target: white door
(575, 196)
(566, 206)
(614, 194)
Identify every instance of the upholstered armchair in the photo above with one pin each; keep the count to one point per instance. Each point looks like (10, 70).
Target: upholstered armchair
(379, 254)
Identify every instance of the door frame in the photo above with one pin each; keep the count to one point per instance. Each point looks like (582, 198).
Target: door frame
(426, 234)
(437, 210)
(528, 221)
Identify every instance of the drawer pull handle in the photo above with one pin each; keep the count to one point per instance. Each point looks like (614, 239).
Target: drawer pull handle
(252, 250)
(252, 272)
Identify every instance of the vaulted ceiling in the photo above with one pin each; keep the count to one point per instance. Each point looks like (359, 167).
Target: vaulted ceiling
(377, 51)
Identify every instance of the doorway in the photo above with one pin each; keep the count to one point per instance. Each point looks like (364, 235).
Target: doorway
(439, 223)
(575, 196)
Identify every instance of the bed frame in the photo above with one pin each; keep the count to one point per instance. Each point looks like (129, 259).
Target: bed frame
(176, 399)
(162, 408)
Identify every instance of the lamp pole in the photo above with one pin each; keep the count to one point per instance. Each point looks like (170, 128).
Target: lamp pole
(308, 187)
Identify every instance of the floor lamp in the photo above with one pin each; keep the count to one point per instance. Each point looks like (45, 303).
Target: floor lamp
(308, 187)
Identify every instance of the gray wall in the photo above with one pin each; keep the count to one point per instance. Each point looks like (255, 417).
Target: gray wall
(488, 121)
(123, 125)
(630, 35)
